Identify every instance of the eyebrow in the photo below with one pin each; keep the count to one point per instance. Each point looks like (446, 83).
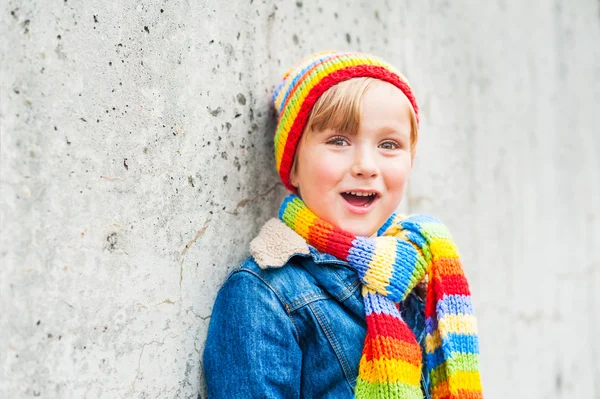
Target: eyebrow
(386, 129)
(393, 130)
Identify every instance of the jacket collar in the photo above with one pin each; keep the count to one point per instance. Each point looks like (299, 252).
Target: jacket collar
(276, 243)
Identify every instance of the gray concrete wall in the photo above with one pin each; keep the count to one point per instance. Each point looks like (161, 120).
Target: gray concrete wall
(136, 165)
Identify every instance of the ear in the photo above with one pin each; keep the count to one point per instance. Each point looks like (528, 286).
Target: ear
(294, 176)
(293, 172)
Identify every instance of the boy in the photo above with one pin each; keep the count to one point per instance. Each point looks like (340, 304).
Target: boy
(327, 306)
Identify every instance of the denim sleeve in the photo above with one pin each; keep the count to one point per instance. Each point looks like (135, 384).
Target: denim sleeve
(251, 350)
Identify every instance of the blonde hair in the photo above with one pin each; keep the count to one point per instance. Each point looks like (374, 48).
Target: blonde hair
(338, 109)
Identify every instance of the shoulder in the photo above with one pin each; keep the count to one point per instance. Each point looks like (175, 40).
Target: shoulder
(278, 253)
(287, 283)
(248, 308)
(283, 265)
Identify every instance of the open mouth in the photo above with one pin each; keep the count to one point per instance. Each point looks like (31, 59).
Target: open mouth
(360, 199)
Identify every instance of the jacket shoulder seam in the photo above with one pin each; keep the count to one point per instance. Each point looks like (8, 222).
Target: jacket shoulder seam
(277, 294)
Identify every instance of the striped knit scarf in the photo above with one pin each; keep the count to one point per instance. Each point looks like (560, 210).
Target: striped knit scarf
(390, 266)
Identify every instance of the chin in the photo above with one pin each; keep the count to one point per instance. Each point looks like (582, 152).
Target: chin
(359, 230)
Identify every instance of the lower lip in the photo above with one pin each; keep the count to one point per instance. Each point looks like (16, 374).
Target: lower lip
(359, 210)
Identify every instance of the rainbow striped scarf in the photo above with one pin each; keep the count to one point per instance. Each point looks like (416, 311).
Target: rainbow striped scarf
(390, 266)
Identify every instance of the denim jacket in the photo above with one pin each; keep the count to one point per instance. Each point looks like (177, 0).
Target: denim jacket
(290, 323)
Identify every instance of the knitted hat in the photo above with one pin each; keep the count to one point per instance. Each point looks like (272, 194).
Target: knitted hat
(302, 86)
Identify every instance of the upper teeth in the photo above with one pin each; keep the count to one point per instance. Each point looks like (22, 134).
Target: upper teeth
(360, 194)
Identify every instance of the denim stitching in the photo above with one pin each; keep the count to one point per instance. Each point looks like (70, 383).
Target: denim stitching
(285, 305)
(312, 297)
(347, 293)
(334, 344)
(340, 278)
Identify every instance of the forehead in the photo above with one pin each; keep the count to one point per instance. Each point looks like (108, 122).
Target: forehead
(385, 105)
(341, 107)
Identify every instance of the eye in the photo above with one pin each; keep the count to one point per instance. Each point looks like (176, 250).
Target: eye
(389, 145)
(338, 141)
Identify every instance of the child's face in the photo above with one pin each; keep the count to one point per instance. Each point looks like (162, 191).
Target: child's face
(376, 160)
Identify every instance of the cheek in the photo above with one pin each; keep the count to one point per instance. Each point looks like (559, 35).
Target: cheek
(396, 174)
(320, 173)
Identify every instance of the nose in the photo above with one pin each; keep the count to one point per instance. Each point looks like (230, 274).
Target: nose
(364, 164)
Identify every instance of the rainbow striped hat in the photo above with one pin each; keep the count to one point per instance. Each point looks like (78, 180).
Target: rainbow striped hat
(304, 83)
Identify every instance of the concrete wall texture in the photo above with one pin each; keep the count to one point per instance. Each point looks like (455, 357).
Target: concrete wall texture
(136, 166)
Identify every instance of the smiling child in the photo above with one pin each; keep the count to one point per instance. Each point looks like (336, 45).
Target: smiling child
(351, 167)
(342, 297)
